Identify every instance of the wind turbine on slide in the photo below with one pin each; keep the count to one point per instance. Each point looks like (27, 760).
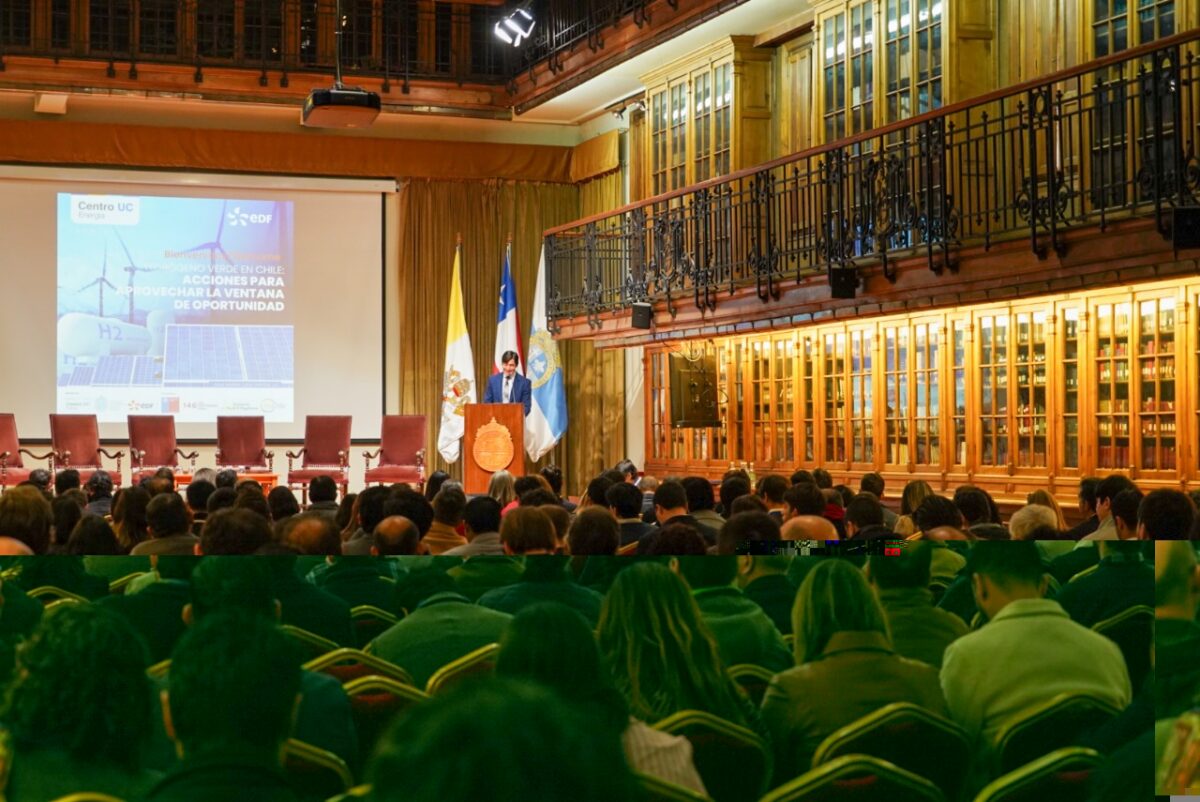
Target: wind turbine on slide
(101, 281)
(214, 247)
(132, 269)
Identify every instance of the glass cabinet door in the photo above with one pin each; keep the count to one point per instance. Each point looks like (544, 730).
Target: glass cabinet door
(783, 393)
(1112, 374)
(993, 390)
(1069, 414)
(1156, 383)
(808, 372)
(927, 404)
(960, 330)
(1029, 366)
(760, 399)
(723, 119)
(658, 143)
(835, 397)
(895, 382)
(702, 126)
(659, 395)
(861, 407)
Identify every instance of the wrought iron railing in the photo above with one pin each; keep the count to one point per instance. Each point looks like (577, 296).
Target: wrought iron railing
(1109, 139)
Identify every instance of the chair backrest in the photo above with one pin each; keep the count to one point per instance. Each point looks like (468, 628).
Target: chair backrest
(87, 796)
(628, 548)
(315, 773)
(1132, 630)
(9, 441)
(910, 737)
(48, 593)
(324, 437)
(731, 759)
(753, 679)
(1062, 775)
(1054, 725)
(478, 663)
(374, 702)
(241, 439)
(401, 437)
(369, 622)
(154, 437)
(658, 790)
(346, 665)
(79, 435)
(312, 645)
(857, 778)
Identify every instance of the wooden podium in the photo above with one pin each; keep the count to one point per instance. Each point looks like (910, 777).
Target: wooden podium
(494, 440)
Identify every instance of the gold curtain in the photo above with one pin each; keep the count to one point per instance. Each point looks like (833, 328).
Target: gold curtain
(431, 213)
(595, 438)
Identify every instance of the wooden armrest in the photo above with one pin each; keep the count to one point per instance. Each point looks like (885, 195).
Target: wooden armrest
(4, 455)
(28, 453)
(372, 454)
(189, 455)
(294, 454)
(111, 455)
(62, 456)
(343, 459)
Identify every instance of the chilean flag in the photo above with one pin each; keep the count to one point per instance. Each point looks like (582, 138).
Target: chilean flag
(508, 324)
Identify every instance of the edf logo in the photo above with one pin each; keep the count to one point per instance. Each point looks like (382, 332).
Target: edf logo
(239, 218)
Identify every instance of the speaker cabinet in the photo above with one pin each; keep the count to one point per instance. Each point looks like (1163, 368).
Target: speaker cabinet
(843, 282)
(1185, 227)
(642, 313)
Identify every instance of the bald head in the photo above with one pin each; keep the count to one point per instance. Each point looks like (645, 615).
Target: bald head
(10, 547)
(312, 533)
(808, 527)
(395, 535)
(1176, 579)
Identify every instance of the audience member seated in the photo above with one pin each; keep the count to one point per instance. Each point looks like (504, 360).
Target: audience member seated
(483, 572)
(129, 516)
(805, 514)
(307, 606)
(481, 524)
(873, 483)
(26, 516)
(677, 538)
(63, 571)
(700, 503)
(79, 708)
(322, 496)
(394, 536)
(846, 668)
(444, 626)
(555, 647)
(66, 479)
(595, 532)
(448, 507)
(911, 497)
(527, 530)
(252, 499)
(1042, 651)
(197, 496)
(1046, 499)
(408, 503)
(1026, 520)
(743, 632)
(919, 630)
(625, 502)
(662, 655)
(1087, 508)
(99, 493)
(649, 486)
(93, 536)
(370, 505)
(155, 611)
(234, 688)
(763, 579)
(1106, 491)
(864, 519)
(1166, 515)
(1121, 580)
(936, 518)
(434, 484)
(975, 507)
(282, 503)
(233, 531)
(503, 740)
(168, 527)
(732, 488)
(66, 511)
(358, 581)
(221, 499)
(545, 578)
(311, 533)
(752, 532)
(1176, 633)
(345, 511)
(1124, 510)
(771, 489)
(748, 503)
(502, 488)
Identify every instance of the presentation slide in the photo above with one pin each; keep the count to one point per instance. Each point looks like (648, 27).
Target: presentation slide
(130, 292)
(175, 305)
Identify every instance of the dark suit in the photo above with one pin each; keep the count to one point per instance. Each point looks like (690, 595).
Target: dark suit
(312, 609)
(357, 581)
(1117, 583)
(545, 579)
(223, 776)
(156, 612)
(634, 530)
(742, 631)
(775, 595)
(522, 391)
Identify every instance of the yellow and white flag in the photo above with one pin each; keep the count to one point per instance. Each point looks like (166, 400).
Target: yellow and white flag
(458, 377)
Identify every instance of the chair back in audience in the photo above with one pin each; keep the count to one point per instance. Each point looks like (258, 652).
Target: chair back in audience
(118, 586)
(152, 445)
(314, 773)
(479, 663)
(374, 702)
(370, 621)
(753, 679)
(47, 594)
(656, 790)
(355, 793)
(857, 778)
(159, 670)
(628, 548)
(1132, 630)
(1056, 724)
(311, 644)
(1061, 776)
(242, 442)
(910, 737)
(732, 760)
(87, 796)
(348, 664)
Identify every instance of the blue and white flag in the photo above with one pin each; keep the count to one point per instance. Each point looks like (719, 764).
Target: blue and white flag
(508, 322)
(547, 418)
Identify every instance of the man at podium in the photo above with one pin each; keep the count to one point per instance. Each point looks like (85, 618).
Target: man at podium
(508, 386)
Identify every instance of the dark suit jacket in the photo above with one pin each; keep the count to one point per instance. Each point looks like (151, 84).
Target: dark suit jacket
(775, 595)
(313, 609)
(1117, 584)
(357, 581)
(228, 776)
(156, 612)
(522, 391)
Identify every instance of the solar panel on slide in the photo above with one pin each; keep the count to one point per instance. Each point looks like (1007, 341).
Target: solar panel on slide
(202, 353)
(114, 370)
(267, 352)
(147, 372)
(82, 376)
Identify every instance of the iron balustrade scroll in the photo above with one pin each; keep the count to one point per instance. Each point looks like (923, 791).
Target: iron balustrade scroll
(1108, 140)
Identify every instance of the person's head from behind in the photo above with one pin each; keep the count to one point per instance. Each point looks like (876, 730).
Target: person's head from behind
(322, 489)
(25, 515)
(234, 685)
(1087, 495)
(1028, 519)
(80, 685)
(699, 493)
(540, 497)
(231, 584)
(502, 488)
(1162, 515)
(706, 572)
(66, 479)
(282, 503)
(370, 507)
(252, 499)
(833, 598)
(914, 493)
(448, 505)
(41, 479)
(1124, 511)
(675, 539)
(553, 476)
(594, 531)
(1176, 580)
(936, 512)
(168, 515)
(871, 483)
(973, 504)
(670, 500)
(624, 500)
(862, 512)
(481, 516)
(597, 491)
(805, 499)
(92, 535)
(529, 483)
(822, 478)
(408, 503)
(1107, 490)
(500, 739)
(772, 489)
(660, 651)
(731, 490)
(345, 510)
(67, 513)
(745, 529)
(527, 530)
(226, 477)
(907, 570)
(1002, 573)
(311, 533)
(99, 485)
(648, 484)
(234, 531)
(434, 483)
(395, 535)
(747, 503)
(198, 494)
(628, 469)
(222, 498)
(560, 519)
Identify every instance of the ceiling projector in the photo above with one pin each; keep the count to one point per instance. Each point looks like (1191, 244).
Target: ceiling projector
(340, 107)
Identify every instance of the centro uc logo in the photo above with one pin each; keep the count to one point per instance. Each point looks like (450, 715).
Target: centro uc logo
(239, 218)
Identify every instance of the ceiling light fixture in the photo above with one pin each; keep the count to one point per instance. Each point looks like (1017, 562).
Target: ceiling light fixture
(516, 27)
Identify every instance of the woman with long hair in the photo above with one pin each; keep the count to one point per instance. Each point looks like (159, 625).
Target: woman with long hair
(845, 667)
(129, 517)
(1045, 499)
(554, 646)
(662, 655)
(914, 493)
(502, 488)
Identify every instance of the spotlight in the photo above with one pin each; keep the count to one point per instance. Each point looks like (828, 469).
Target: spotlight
(515, 28)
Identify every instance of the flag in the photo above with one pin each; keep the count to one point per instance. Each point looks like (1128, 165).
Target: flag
(458, 376)
(508, 322)
(547, 418)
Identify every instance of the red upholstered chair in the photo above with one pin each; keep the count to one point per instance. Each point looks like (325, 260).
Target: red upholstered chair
(75, 441)
(374, 702)
(242, 443)
(1132, 630)
(1062, 776)
(152, 446)
(401, 451)
(13, 470)
(857, 778)
(326, 452)
(732, 760)
(314, 773)
(347, 664)
(753, 679)
(1053, 725)
(479, 663)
